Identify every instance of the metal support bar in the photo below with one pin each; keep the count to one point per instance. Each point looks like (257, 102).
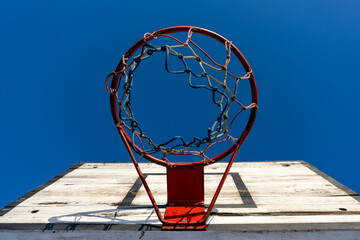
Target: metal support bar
(152, 199)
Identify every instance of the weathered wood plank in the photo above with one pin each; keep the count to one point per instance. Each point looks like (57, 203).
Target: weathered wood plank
(282, 192)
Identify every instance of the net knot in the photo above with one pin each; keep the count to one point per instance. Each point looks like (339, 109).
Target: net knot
(148, 36)
(124, 60)
(134, 124)
(188, 37)
(253, 105)
(137, 60)
(247, 75)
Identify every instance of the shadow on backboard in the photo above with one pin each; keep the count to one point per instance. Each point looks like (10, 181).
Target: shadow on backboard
(134, 216)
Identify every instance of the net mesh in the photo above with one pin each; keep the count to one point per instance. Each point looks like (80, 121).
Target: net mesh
(223, 97)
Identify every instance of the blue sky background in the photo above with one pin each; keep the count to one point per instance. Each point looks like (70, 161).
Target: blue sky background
(55, 56)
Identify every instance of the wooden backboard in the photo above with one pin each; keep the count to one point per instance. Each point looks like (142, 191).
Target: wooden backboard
(268, 196)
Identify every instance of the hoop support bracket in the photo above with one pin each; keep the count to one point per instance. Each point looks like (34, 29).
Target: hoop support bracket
(185, 192)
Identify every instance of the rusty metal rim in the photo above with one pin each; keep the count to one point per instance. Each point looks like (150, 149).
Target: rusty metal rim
(205, 32)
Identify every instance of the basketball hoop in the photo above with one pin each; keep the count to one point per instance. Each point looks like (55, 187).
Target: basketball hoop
(185, 208)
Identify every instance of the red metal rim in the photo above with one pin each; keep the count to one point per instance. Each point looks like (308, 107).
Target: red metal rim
(205, 32)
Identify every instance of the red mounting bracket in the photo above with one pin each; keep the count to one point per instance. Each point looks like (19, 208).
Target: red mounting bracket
(185, 192)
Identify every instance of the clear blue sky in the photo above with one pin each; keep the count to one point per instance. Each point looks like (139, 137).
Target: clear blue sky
(55, 56)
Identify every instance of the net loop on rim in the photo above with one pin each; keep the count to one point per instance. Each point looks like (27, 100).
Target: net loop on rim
(222, 97)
